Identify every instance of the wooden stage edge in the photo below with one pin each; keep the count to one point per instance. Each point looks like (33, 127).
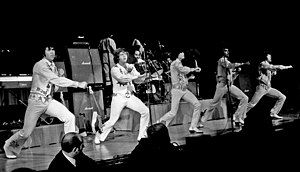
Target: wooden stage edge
(129, 121)
(120, 143)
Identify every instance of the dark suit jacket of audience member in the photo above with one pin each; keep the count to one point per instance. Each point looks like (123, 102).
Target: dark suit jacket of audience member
(61, 163)
(147, 154)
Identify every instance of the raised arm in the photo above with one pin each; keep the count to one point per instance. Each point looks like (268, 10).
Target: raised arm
(227, 64)
(268, 66)
(121, 77)
(183, 69)
(59, 81)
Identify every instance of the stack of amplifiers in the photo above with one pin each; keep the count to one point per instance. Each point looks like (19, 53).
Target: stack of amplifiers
(86, 65)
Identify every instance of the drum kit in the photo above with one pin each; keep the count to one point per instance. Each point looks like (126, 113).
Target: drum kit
(154, 86)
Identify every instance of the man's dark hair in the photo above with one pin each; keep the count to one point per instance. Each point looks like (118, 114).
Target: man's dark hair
(117, 52)
(44, 44)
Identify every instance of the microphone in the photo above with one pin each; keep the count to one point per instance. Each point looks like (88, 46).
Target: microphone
(129, 68)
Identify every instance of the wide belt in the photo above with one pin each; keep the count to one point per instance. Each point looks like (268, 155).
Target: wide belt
(128, 94)
(40, 97)
(179, 86)
(264, 85)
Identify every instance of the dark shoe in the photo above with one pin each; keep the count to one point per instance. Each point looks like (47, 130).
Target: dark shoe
(238, 124)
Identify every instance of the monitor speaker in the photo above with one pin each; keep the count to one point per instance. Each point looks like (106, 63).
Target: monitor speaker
(85, 65)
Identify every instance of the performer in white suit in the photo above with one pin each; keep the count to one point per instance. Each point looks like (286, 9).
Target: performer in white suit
(45, 80)
(122, 76)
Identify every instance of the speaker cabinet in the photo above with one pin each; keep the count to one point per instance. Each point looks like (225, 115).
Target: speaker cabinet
(84, 104)
(194, 88)
(245, 84)
(85, 65)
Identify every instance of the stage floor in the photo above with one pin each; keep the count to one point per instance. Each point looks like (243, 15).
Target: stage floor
(118, 143)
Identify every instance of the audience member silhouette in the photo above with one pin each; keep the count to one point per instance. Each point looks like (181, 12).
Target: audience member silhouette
(71, 156)
(156, 149)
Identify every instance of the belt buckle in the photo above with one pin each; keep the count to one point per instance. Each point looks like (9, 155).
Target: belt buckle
(127, 95)
(176, 86)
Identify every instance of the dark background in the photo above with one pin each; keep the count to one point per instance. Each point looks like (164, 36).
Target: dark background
(247, 28)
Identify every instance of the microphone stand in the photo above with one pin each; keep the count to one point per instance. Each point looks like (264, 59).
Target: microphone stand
(90, 56)
(229, 96)
(197, 83)
(148, 84)
(158, 75)
(102, 118)
(168, 80)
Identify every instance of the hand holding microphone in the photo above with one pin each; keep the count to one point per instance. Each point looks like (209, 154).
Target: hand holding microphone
(82, 85)
(129, 68)
(197, 69)
(282, 67)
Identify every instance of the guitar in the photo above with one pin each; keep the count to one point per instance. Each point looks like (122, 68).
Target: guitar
(62, 98)
(101, 117)
(61, 73)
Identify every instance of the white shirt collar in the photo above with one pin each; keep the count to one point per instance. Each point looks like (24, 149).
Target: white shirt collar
(51, 64)
(72, 160)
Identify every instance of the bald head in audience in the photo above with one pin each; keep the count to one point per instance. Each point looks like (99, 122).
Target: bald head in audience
(72, 144)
